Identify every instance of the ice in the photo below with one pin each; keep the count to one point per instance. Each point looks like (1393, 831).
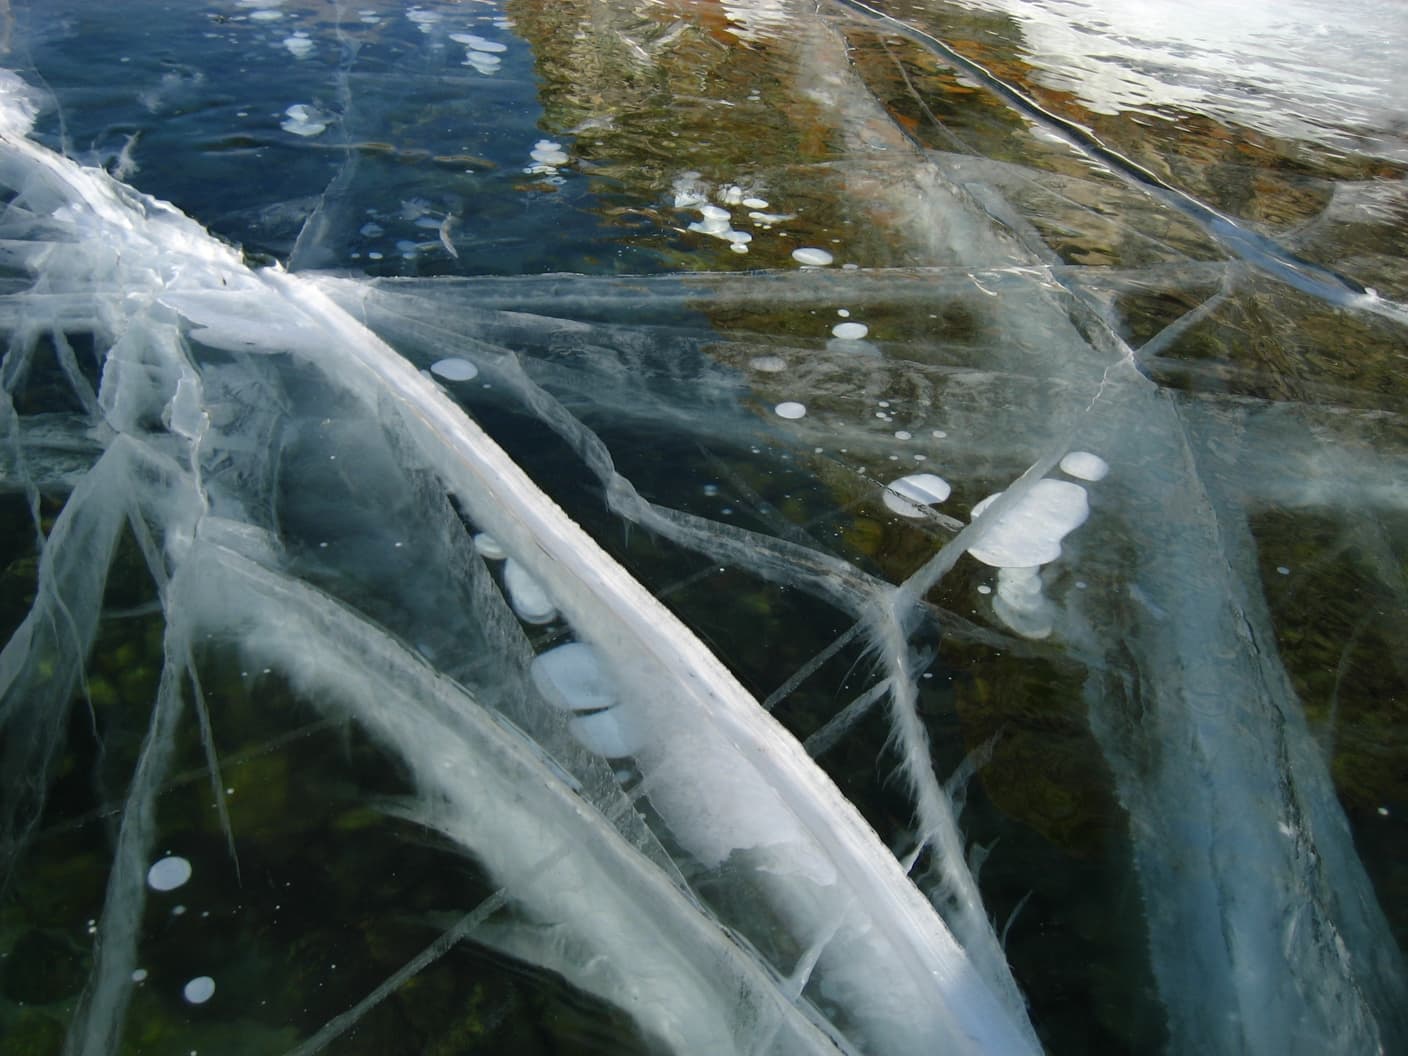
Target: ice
(734, 789)
(531, 605)
(1034, 519)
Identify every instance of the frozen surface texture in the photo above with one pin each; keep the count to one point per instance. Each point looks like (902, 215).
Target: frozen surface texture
(758, 528)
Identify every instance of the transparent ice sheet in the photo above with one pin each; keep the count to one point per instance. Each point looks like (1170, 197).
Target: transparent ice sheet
(250, 508)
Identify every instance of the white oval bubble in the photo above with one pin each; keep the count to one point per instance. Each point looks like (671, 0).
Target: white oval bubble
(1085, 466)
(1029, 533)
(169, 873)
(489, 548)
(490, 64)
(454, 369)
(571, 678)
(199, 990)
(790, 409)
(478, 43)
(813, 256)
(768, 364)
(908, 496)
(607, 733)
(527, 596)
(850, 331)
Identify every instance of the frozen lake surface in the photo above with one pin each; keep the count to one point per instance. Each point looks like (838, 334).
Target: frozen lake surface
(703, 527)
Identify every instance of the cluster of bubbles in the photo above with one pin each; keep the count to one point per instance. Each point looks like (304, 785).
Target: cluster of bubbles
(165, 875)
(569, 676)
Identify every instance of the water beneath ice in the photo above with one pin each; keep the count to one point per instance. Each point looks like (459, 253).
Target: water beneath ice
(712, 527)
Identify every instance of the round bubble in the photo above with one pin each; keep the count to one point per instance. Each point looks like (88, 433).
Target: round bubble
(199, 990)
(169, 873)
(850, 331)
(909, 495)
(527, 595)
(607, 733)
(768, 364)
(1085, 466)
(790, 409)
(811, 255)
(571, 677)
(478, 43)
(489, 548)
(454, 369)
